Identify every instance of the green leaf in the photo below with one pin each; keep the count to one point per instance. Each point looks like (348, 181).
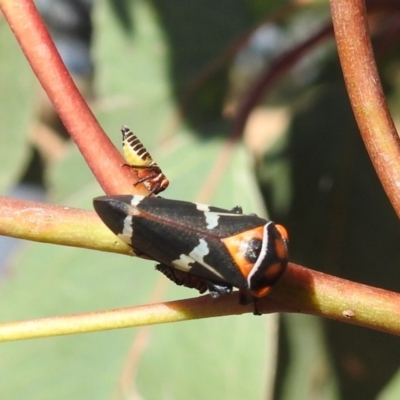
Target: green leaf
(224, 358)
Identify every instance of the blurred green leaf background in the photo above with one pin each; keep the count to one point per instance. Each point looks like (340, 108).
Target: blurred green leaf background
(316, 179)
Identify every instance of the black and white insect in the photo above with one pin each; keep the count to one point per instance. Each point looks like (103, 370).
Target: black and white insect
(200, 246)
(139, 159)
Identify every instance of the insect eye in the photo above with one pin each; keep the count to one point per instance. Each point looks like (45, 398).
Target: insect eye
(253, 248)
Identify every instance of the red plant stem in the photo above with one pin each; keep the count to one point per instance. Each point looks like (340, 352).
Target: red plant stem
(306, 291)
(299, 290)
(366, 94)
(270, 76)
(200, 79)
(100, 154)
(65, 226)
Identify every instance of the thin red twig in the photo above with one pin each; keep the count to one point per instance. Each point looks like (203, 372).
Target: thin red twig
(366, 94)
(100, 154)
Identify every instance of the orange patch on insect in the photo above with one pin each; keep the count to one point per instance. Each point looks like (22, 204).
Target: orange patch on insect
(261, 292)
(281, 243)
(237, 247)
(272, 273)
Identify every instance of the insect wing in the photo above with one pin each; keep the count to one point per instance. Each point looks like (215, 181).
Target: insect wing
(182, 235)
(223, 248)
(196, 219)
